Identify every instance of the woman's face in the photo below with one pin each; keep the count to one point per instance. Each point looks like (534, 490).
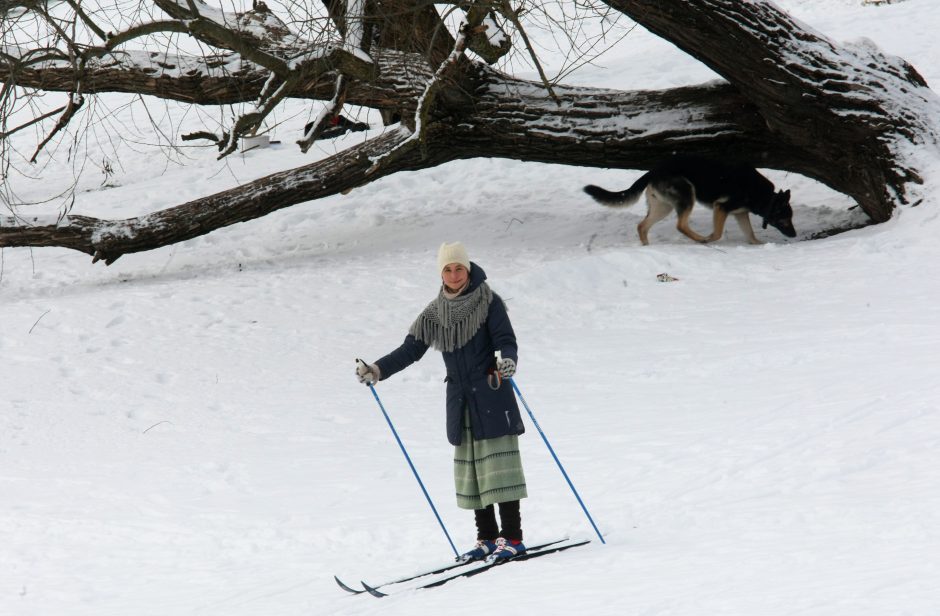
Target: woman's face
(455, 276)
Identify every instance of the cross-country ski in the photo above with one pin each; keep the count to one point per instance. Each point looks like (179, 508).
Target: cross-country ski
(483, 566)
(444, 567)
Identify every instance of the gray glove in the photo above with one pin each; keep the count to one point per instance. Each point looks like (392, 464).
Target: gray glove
(506, 367)
(368, 374)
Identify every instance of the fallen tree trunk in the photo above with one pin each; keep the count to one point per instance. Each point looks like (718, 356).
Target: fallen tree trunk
(528, 125)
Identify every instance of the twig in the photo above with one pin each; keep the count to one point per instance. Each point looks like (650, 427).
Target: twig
(512, 220)
(157, 424)
(31, 122)
(37, 321)
(87, 20)
(76, 100)
(513, 16)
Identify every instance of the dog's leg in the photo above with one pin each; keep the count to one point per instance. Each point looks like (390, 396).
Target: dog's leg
(683, 226)
(657, 208)
(719, 217)
(680, 193)
(744, 221)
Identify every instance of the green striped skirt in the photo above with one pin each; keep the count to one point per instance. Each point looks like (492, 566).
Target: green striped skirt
(487, 471)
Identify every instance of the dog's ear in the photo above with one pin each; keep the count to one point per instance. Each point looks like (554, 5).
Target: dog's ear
(781, 199)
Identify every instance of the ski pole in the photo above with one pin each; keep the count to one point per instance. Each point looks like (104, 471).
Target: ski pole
(557, 461)
(413, 469)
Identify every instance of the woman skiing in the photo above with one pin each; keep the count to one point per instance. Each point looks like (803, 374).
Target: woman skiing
(468, 323)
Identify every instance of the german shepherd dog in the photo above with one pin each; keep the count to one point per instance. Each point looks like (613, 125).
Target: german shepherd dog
(678, 182)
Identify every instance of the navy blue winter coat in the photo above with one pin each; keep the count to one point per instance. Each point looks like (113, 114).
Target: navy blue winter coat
(493, 413)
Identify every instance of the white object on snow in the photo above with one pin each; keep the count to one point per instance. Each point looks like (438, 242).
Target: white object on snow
(256, 141)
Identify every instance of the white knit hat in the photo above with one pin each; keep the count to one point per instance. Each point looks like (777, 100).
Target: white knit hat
(452, 253)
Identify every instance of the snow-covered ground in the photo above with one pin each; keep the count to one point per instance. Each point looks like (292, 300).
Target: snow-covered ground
(181, 432)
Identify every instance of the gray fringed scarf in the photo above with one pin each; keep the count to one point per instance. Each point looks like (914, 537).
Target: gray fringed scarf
(448, 324)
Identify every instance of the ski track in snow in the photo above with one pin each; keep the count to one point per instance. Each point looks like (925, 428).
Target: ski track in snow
(182, 432)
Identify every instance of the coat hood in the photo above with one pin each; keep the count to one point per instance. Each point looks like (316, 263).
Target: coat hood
(477, 277)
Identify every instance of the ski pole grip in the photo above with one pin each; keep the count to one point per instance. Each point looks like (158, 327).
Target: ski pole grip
(359, 362)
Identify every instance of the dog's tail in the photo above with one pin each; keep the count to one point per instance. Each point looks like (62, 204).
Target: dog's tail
(623, 198)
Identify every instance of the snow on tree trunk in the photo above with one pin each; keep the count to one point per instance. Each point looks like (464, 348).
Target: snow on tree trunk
(851, 112)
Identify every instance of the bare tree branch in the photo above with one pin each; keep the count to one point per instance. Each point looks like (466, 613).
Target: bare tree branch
(87, 20)
(109, 240)
(513, 16)
(221, 79)
(330, 111)
(35, 120)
